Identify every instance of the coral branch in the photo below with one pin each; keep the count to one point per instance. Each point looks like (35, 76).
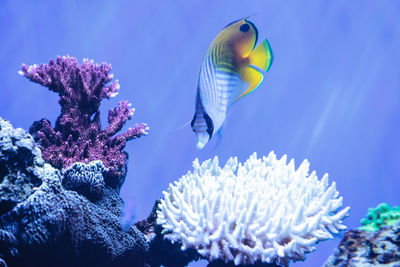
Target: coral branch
(77, 134)
(118, 116)
(137, 131)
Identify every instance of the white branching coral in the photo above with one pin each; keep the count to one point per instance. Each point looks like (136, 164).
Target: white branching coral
(262, 210)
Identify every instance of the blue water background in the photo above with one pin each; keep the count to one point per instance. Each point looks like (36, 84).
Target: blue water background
(332, 95)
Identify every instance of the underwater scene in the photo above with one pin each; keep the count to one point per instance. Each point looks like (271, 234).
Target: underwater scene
(199, 133)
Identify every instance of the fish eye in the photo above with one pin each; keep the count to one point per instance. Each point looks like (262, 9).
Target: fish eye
(244, 28)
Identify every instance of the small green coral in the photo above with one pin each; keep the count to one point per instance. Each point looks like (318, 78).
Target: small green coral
(380, 216)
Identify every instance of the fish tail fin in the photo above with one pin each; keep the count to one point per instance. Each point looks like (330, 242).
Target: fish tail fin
(202, 140)
(262, 56)
(203, 127)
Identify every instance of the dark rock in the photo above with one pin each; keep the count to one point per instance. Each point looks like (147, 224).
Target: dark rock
(162, 252)
(20, 159)
(363, 248)
(58, 227)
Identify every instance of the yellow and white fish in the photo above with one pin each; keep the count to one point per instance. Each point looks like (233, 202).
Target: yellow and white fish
(228, 73)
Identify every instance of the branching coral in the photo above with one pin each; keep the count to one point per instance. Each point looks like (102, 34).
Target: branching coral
(262, 210)
(77, 135)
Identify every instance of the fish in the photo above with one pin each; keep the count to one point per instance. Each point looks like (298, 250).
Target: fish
(229, 71)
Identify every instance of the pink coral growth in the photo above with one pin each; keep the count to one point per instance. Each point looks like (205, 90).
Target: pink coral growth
(77, 135)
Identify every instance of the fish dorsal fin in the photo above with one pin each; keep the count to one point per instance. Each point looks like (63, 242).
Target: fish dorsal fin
(252, 77)
(262, 56)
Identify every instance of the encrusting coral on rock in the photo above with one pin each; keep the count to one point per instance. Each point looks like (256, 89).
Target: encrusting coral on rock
(375, 243)
(77, 135)
(86, 179)
(260, 211)
(380, 216)
(59, 227)
(360, 248)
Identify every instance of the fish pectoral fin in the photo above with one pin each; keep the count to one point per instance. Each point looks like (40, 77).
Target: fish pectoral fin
(252, 77)
(262, 56)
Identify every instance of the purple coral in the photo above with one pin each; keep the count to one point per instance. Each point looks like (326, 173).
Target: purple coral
(77, 135)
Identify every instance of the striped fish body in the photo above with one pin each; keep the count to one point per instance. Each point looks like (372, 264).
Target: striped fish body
(222, 78)
(216, 91)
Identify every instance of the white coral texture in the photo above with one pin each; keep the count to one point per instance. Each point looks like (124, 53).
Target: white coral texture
(262, 210)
